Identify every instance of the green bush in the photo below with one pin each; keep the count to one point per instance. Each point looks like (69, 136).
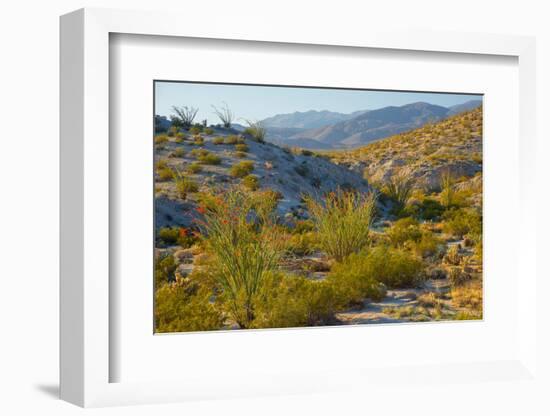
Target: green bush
(357, 278)
(463, 221)
(198, 140)
(232, 139)
(342, 221)
(180, 137)
(165, 174)
(403, 230)
(210, 159)
(162, 138)
(165, 266)
(182, 308)
(251, 182)
(179, 152)
(399, 189)
(256, 131)
(302, 244)
(240, 155)
(291, 301)
(169, 235)
(196, 153)
(194, 168)
(208, 131)
(217, 140)
(241, 147)
(196, 129)
(395, 267)
(242, 169)
(428, 245)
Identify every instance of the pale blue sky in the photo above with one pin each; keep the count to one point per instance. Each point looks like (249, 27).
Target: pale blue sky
(258, 102)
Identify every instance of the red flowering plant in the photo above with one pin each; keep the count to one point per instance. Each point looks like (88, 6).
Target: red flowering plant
(241, 235)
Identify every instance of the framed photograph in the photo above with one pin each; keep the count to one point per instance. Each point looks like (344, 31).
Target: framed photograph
(280, 213)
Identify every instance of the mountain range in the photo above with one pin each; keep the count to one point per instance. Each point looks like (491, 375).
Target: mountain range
(332, 130)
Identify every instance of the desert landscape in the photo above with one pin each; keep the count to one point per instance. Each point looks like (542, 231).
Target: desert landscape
(318, 218)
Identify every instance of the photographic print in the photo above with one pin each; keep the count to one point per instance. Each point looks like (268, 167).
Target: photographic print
(286, 206)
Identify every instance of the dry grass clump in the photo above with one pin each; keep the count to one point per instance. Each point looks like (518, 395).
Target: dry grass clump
(242, 169)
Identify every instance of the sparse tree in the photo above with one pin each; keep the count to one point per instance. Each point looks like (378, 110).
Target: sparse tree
(225, 115)
(184, 116)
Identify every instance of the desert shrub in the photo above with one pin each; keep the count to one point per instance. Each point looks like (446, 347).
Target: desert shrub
(305, 152)
(162, 138)
(184, 185)
(292, 301)
(394, 267)
(430, 209)
(209, 159)
(256, 130)
(194, 168)
(403, 230)
(179, 152)
(399, 189)
(241, 147)
(428, 245)
(184, 116)
(240, 155)
(303, 226)
(165, 174)
(196, 153)
(169, 235)
(302, 244)
(232, 139)
(182, 308)
(165, 266)
(453, 255)
(195, 130)
(217, 140)
(198, 140)
(179, 137)
(246, 247)
(208, 131)
(172, 131)
(242, 169)
(342, 221)
(251, 182)
(356, 279)
(463, 221)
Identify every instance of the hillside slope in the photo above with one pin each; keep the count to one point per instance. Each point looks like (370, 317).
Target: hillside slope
(290, 174)
(453, 145)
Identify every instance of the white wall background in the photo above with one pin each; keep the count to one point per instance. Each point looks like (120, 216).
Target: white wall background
(29, 208)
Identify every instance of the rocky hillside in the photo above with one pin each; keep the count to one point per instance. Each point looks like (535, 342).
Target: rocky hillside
(217, 158)
(453, 145)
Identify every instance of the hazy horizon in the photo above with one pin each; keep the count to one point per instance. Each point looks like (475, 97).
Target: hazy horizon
(275, 100)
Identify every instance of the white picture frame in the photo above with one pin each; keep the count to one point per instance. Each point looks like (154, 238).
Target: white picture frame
(85, 203)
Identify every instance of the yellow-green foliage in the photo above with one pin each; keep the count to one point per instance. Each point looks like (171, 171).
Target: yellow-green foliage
(246, 250)
(165, 173)
(208, 131)
(217, 140)
(256, 130)
(241, 147)
(179, 152)
(251, 182)
(356, 278)
(463, 221)
(180, 308)
(301, 244)
(162, 138)
(342, 221)
(165, 266)
(394, 267)
(399, 189)
(209, 159)
(194, 167)
(241, 169)
(403, 230)
(169, 235)
(184, 185)
(291, 301)
(232, 139)
(448, 193)
(468, 295)
(196, 129)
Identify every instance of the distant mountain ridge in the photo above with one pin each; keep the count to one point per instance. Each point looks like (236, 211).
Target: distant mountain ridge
(358, 128)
